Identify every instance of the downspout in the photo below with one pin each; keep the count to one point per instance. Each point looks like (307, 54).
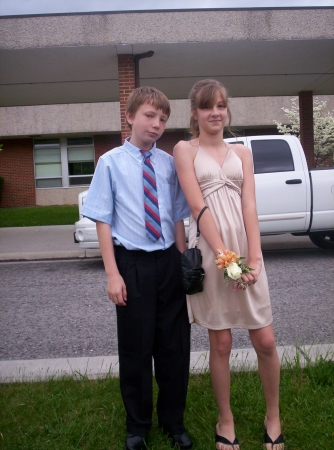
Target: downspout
(136, 62)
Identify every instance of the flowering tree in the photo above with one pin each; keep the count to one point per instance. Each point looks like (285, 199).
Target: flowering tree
(323, 129)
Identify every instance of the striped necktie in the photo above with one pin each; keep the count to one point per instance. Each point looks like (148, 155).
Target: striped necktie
(151, 205)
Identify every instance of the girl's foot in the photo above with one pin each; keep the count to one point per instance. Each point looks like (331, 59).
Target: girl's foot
(273, 438)
(225, 437)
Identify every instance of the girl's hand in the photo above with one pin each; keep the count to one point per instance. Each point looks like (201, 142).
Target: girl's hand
(251, 278)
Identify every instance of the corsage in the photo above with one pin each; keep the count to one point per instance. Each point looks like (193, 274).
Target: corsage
(233, 268)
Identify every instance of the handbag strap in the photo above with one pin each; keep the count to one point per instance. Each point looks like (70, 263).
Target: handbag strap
(198, 232)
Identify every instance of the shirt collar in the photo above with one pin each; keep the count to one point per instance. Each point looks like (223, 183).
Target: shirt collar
(134, 151)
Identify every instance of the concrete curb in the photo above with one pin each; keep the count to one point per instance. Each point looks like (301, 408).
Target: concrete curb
(63, 254)
(102, 366)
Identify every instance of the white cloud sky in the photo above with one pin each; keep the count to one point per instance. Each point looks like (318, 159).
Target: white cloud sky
(18, 7)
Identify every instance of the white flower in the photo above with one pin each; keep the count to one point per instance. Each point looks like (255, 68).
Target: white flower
(234, 271)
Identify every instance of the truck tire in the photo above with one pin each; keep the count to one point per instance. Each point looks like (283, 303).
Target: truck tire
(323, 239)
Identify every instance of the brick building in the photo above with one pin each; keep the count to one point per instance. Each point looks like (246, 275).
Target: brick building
(65, 80)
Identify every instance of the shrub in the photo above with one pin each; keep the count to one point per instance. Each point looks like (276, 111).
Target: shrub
(1, 186)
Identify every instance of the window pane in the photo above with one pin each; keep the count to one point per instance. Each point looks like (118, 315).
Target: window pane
(48, 170)
(74, 181)
(81, 168)
(46, 143)
(47, 155)
(51, 182)
(272, 155)
(80, 141)
(80, 154)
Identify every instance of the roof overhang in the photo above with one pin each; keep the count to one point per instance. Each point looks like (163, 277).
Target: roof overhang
(73, 58)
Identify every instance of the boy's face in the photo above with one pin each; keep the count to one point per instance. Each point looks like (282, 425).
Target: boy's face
(148, 124)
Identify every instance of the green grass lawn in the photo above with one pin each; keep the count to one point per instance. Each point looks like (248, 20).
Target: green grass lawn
(83, 414)
(39, 216)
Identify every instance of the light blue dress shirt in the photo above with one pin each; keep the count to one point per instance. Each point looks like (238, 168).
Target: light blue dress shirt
(116, 197)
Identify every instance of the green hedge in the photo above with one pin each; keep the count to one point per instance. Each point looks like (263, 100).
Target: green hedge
(1, 186)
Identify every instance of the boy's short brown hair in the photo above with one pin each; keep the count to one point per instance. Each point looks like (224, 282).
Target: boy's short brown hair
(147, 94)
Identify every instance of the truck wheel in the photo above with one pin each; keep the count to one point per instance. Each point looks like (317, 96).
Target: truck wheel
(323, 239)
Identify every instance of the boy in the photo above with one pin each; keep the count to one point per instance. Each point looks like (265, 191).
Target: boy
(139, 207)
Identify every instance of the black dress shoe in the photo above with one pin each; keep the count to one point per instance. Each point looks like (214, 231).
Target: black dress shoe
(134, 442)
(182, 441)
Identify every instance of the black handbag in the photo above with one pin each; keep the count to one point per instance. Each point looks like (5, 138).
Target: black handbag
(192, 270)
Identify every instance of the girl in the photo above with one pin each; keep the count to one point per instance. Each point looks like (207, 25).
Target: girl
(219, 175)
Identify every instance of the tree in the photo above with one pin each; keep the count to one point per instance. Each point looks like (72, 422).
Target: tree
(323, 129)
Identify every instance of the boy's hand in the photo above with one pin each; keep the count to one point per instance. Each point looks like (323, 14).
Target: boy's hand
(117, 290)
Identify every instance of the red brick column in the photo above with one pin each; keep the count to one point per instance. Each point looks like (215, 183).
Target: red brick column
(126, 77)
(306, 126)
(17, 169)
(169, 139)
(105, 142)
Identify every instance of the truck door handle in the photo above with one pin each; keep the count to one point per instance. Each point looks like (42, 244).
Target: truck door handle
(296, 181)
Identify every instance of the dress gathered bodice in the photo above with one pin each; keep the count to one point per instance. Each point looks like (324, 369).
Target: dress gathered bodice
(214, 177)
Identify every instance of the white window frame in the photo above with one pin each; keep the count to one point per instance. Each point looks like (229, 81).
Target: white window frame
(64, 162)
(80, 146)
(48, 177)
(65, 177)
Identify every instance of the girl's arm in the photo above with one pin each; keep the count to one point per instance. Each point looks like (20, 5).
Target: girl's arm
(115, 284)
(248, 202)
(184, 154)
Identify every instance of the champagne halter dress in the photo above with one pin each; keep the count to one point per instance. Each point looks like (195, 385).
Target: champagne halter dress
(218, 307)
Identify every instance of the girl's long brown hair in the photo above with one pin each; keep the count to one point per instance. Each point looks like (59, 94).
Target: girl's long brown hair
(203, 95)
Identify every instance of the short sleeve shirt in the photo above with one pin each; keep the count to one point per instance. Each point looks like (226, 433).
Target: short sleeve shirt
(116, 197)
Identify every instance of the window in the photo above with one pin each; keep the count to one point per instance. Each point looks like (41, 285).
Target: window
(64, 162)
(272, 155)
(80, 155)
(47, 163)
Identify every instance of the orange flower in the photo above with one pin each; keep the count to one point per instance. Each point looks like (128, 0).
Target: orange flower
(232, 267)
(225, 259)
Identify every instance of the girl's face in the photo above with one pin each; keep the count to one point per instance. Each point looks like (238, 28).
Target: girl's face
(212, 119)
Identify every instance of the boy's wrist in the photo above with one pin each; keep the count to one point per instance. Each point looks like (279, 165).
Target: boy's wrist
(112, 272)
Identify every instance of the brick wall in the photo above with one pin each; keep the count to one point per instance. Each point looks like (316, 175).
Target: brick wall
(169, 139)
(306, 126)
(105, 142)
(126, 80)
(17, 169)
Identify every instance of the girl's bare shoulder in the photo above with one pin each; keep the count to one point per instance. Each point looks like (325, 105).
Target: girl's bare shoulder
(186, 147)
(240, 149)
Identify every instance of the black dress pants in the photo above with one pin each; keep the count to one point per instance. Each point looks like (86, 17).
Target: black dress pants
(153, 324)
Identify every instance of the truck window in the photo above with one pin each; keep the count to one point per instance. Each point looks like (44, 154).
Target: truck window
(272, 155)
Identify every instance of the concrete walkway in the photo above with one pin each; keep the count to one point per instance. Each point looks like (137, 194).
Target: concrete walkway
(57, 242)
(35, 243)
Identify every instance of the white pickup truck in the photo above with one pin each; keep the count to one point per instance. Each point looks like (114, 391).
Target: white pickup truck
(290, 198)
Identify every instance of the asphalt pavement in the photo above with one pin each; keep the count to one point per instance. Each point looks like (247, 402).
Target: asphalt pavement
(57, 242)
